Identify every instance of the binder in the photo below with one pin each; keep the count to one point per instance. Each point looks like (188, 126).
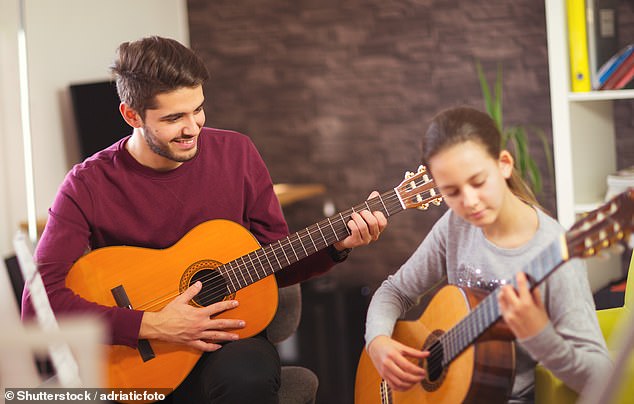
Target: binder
(578, 46)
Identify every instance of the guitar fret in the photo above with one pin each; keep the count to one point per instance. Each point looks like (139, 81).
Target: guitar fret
(302, 244)
(275, 255)
(451, 346)
(249, 269)
(384, 207)
(293, 248)
(491, 310)
(446, 344)
(311, 239)
(261, 266)
(228, 275)
(322, 235)
(242, 272)
(344, 224)
(268, 260)
(285, 256)
(333, 229)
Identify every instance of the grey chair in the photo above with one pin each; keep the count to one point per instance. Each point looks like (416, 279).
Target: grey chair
(299, 384)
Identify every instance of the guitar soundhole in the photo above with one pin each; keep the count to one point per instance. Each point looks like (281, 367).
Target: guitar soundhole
(214, 287)
(436, 372)
(214, 284)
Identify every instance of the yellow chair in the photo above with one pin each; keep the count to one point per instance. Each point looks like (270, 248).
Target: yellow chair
(550, 390)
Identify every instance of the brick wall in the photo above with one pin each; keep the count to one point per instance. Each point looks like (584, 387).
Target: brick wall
(339, 92)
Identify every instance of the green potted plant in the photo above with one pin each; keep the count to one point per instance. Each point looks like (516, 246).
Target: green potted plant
(515, 138)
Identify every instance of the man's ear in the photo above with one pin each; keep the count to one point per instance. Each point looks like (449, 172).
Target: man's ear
(506, 163)
(130, 115)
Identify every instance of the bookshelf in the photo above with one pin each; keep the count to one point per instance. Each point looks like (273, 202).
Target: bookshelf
(584, 148)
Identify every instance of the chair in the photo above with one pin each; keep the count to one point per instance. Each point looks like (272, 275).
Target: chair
(549, 389)
(299, 384)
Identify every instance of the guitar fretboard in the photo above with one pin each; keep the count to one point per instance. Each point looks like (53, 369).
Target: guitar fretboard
(267, 260)
(485, 314)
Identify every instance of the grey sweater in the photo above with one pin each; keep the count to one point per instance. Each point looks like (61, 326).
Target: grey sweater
(571, 346)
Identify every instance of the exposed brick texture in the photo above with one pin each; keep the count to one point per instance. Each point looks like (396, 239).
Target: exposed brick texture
(339, 93)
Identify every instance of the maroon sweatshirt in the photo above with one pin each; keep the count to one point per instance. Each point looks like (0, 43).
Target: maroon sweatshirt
(110, 199)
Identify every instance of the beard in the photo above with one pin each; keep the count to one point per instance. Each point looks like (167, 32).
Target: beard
(163, 149)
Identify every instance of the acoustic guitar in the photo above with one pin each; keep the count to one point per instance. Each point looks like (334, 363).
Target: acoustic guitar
(471, 349)
(229, 262)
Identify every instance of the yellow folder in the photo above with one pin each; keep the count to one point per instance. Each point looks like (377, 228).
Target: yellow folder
(578, 46)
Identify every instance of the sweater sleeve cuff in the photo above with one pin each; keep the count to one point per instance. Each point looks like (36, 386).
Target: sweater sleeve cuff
(542, 342)
(126, 325)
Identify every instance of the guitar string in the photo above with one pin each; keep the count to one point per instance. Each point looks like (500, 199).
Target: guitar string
(275, 249)
(221, 285)
(487, 312)
(388, 198)
(458, 338)
(218, 287)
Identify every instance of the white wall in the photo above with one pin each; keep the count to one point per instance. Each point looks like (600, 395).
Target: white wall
(68, 41)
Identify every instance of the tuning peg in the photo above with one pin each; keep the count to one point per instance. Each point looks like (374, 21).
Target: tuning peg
(424, 206)
(409, 174)
(422, 168)
(437, 201)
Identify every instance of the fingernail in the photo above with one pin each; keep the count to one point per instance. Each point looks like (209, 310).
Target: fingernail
(241, 323)
(234, 303)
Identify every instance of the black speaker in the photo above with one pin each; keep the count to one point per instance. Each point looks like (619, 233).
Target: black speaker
(96, 109)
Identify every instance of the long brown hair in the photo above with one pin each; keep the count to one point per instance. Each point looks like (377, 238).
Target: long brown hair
(460, 124)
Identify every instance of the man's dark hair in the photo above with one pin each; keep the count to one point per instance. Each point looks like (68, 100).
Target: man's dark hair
(154, 65)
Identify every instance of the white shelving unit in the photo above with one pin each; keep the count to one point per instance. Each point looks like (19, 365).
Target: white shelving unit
(583, 139)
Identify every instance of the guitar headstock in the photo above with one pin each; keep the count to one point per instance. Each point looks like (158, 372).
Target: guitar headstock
(418, 190)
(602, 227)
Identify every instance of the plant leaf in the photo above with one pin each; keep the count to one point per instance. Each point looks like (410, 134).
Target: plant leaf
(535, 176)
(549, 158)
(497, 115)
(486, 93)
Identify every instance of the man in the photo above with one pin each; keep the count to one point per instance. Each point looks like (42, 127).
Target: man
(148, 190)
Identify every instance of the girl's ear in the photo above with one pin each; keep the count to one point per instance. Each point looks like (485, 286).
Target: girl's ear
(130, 115)
(506, 163)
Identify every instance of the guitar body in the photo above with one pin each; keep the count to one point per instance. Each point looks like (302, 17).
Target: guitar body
(484, 372)
(153, 278)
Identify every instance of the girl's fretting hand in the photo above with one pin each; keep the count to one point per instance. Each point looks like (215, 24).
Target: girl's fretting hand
(523, 310)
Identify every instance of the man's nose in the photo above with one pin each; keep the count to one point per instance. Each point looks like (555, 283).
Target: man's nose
(191, 126)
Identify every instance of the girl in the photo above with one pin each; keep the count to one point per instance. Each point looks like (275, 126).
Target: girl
(494, 226)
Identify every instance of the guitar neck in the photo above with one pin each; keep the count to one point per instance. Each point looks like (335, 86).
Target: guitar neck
(485, 314)
(267, 260)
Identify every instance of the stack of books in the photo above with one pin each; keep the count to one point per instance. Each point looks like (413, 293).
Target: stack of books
(617, 72)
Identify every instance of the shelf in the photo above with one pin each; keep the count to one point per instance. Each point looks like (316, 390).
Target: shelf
(601, 95)
(586, 207)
